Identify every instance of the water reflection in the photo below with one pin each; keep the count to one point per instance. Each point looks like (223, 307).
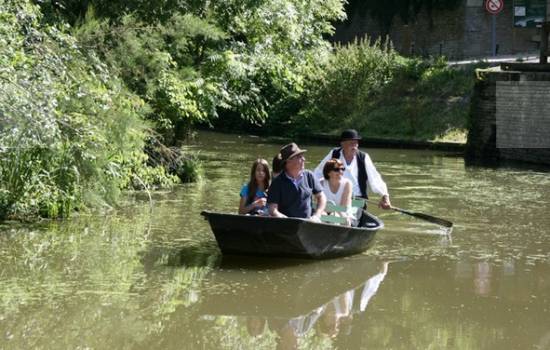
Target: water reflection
(505, 280)
(296, 305)
(141, 280)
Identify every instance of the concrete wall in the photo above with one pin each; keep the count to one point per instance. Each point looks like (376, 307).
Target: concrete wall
(461, 33)
(510, 108)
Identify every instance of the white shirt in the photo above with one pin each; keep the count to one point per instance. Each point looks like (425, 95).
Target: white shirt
(336, 198)
(331, 196)
(370, 288)
(376, 184)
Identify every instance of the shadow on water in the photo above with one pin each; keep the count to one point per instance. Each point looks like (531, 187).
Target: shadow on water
(506, 165)
(234, 262)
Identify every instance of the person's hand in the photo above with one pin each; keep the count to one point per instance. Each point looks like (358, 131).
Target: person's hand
(315, 218)
(384, 202)
(349, 220)
(260, 203)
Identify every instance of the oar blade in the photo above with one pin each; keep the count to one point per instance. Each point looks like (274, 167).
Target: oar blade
(439, 221)
(433, 219)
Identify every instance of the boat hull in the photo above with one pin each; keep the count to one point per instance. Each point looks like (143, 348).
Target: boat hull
(290, 237)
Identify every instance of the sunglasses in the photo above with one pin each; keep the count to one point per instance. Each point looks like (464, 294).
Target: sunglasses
(339, 169)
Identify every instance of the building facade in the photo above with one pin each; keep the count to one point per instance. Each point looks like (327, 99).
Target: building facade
(465, 32)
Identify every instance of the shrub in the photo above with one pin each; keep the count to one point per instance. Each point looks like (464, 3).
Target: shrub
(71, 132)
(368, 86)
(188, 168)
(346, 83)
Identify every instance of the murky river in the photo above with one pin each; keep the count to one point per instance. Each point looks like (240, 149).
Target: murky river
(141, 279)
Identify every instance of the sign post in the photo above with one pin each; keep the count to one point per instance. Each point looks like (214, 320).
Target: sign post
(494, 7)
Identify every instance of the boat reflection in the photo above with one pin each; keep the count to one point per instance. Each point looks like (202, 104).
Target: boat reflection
(290, 304)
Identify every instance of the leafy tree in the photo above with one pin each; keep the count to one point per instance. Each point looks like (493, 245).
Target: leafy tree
(70, 132)
(221, 58)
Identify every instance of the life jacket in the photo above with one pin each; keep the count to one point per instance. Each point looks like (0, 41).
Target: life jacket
(362, 177)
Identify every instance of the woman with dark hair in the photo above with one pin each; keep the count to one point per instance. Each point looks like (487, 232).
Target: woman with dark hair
(276, 166)
(337, 188)
(253, 194)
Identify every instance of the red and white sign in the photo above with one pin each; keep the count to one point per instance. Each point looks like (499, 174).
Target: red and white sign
(494, 6)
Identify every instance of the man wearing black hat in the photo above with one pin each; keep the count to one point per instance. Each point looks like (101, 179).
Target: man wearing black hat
(359, 168)
(291, 192)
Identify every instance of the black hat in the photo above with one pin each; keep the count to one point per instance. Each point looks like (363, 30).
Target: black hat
(350, 134)
(289, 151)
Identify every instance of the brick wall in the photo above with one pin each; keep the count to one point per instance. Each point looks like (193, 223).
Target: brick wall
(503, 105)
(461, 33)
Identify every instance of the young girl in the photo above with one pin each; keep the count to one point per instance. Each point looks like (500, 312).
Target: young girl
(253, 194)
(336, 187)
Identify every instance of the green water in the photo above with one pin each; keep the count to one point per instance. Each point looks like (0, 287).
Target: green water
(141, 279)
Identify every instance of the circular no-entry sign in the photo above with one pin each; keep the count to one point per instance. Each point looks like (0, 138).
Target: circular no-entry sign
(494, 6)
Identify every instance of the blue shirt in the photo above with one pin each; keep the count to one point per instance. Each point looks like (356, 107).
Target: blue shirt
(259, 194)
(296, 181)
(293, 196)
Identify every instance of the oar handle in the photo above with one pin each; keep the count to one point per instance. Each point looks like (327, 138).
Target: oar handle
(376, 203)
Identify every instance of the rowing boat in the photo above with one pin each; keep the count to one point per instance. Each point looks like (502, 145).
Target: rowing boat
(290, 237)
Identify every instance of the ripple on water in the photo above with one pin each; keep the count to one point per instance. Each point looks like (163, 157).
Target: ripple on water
(156, 271)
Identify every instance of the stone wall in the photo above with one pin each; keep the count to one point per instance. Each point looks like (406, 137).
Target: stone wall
(457, 34)
(503, 106)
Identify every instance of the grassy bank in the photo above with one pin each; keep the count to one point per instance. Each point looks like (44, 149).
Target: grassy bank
(370, 87)
(426, 101)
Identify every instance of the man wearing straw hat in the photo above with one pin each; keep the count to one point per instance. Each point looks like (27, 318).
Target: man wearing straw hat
(291, 192)
(359, 169)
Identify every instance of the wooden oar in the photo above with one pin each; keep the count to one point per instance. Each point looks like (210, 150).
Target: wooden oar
(433, 219)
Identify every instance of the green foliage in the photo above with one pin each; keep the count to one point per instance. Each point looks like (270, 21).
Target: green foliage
(71, 133)
(189, 168)
(216, 58)
(346, 83)
(369, 87)
(176, 67)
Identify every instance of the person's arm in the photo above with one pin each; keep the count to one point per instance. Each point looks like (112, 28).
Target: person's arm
(346, 201)
(321, 204)
(245, 209)
(274, 211)
(273, 199)
(346, 195)
(317, 191)
(376, 184)
(242, 203)
(318, 172)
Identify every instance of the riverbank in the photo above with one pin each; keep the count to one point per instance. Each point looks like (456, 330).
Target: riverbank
(420, 104)
(370, 142)
(373, 142)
